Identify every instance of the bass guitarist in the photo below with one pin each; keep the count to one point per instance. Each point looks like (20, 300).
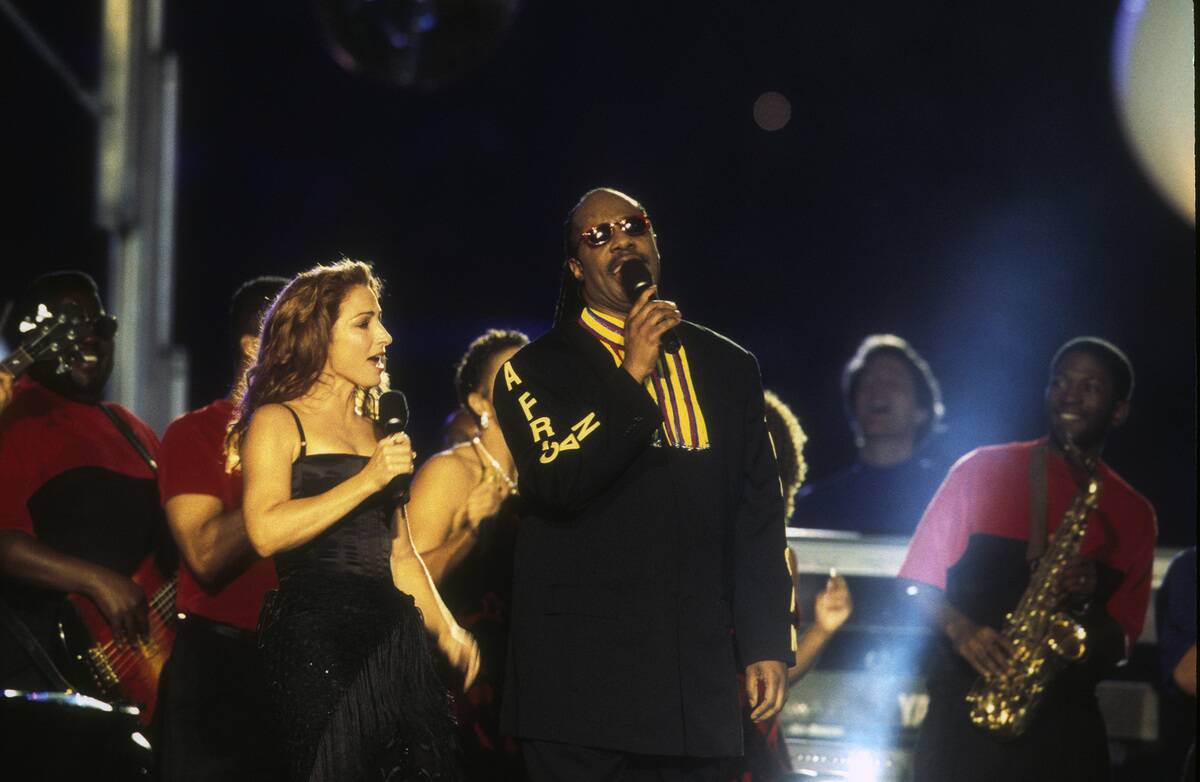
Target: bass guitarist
(79, 509)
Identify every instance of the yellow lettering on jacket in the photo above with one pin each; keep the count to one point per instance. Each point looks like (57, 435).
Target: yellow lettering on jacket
(541, 428)
(549, 451)
(586, 425)
(569, 444)
(527, 402)
(510, 376)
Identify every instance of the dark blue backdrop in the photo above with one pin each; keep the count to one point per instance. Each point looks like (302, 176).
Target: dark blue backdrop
(954, 173)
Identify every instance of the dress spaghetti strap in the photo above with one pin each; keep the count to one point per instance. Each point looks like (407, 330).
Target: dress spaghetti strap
(299, 428)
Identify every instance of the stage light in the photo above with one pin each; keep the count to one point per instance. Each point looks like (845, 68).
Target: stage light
(772, 111)
(1154, 80)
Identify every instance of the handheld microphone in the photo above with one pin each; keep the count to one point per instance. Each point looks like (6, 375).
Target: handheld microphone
(393, 416)
(635, 277)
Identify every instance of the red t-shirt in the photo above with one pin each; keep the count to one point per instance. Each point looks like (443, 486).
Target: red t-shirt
(192, 461)
(986, 496)
(70, 478)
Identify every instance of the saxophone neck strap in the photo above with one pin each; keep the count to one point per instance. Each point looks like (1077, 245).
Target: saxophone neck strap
(1037, 503)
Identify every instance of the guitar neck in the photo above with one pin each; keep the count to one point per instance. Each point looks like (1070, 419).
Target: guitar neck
(17, 363)
(162, 602)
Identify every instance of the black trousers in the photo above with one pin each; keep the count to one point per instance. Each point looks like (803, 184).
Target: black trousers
(549, 761)
(1066, 742)
(212, 709)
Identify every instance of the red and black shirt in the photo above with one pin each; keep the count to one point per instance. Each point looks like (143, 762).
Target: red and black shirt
(192, 461)
(72, 480)
(972, 540)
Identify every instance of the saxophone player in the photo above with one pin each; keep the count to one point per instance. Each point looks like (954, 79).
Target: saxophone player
(973, 559)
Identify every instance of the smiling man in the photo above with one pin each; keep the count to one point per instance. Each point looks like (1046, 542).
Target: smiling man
(650, 564)
(894, 405)
(79, 509)
(972, 556)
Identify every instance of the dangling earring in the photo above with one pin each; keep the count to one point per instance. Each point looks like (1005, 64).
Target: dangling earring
(483, 420)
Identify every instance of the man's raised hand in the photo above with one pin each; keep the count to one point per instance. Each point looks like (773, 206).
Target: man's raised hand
(644, 328)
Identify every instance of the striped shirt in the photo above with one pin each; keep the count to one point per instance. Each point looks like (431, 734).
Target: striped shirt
(669, 384)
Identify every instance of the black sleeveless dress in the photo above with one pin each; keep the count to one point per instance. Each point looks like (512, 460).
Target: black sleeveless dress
(348, 666)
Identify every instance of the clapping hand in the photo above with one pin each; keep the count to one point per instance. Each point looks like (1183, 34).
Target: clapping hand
(483, 502)
(833, 604)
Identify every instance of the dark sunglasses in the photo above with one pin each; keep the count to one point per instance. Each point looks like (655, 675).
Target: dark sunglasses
(602, 233)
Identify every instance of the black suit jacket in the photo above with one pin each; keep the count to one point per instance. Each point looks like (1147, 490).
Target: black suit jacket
(645, 576)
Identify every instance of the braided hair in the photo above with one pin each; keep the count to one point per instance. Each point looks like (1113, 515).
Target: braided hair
(570, 290)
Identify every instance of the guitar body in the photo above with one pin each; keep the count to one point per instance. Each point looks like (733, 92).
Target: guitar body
(119, 672)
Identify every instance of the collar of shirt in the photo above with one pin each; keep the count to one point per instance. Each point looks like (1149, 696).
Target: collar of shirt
(609, 329)
(670, 384)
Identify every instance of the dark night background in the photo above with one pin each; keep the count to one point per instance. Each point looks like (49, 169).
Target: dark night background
(952, 172)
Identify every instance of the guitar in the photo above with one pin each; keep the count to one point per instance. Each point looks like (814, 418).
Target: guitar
(48, 335)
(101, 668)
(123, 672)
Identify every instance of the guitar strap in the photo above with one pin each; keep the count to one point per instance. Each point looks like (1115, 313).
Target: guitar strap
(1037, 504)
(124, 429)
(17, 628)
(167, 555)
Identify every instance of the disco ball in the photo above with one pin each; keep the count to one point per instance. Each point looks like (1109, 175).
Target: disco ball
(415, 44)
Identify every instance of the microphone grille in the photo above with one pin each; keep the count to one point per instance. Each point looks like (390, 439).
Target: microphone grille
(635, 275)
(393, 411)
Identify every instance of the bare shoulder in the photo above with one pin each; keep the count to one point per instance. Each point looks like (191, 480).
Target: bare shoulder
(456, 466)
(271, 417)
(272, 425)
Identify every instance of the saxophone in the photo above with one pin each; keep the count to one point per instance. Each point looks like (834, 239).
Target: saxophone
(1044, 637)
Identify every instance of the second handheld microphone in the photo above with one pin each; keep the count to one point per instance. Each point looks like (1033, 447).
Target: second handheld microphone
(393, 416)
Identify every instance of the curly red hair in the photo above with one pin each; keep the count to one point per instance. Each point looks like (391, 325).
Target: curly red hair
(294, 343)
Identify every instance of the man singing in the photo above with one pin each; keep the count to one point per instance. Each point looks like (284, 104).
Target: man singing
(650, 567)
(972, 556)
(894, 406)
